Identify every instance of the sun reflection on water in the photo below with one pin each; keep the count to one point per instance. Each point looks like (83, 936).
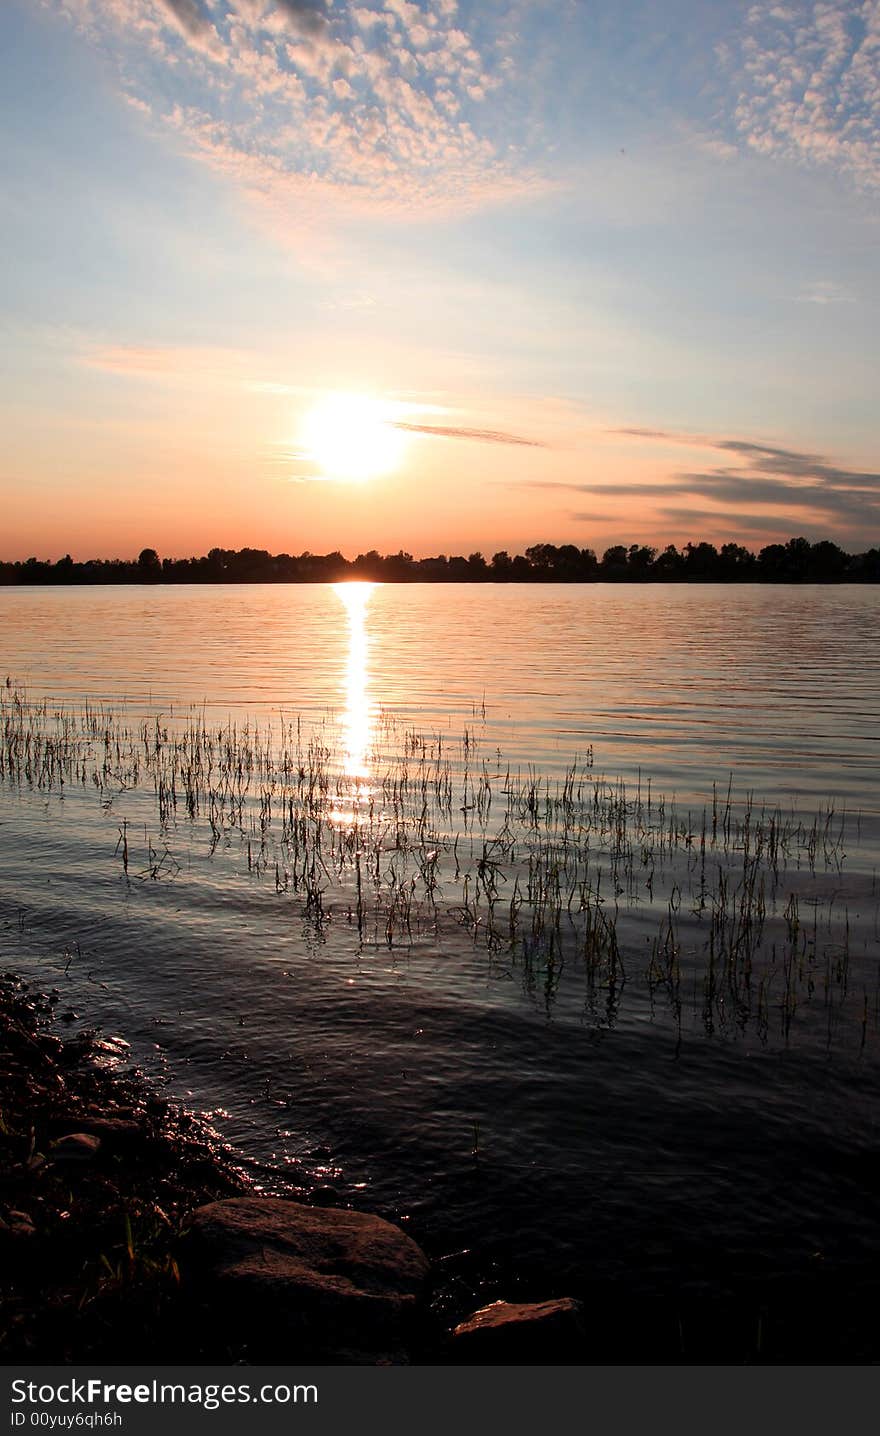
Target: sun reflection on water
(357, 718)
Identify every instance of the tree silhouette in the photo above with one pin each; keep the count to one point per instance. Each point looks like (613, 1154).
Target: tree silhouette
(797, 561)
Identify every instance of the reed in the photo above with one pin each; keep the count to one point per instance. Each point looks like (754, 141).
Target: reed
(612, 885)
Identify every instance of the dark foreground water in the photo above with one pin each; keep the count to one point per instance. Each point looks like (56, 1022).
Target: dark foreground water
(545, 919)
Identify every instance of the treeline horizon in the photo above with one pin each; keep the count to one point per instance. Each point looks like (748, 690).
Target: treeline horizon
(797, 561)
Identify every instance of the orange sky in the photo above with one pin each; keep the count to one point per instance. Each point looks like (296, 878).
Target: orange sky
(571, 295)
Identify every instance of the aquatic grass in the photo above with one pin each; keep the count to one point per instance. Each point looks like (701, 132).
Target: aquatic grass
(549, 875)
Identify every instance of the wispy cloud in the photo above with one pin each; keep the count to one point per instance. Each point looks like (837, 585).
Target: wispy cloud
(768, 525)
(318, 110)
(167, 362)
(781, 481)
(825, 291)
(709, 523)
(807, 83)
(483, 436)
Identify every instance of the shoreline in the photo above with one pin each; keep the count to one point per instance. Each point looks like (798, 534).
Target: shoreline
(100, 1178)
(102, 1184)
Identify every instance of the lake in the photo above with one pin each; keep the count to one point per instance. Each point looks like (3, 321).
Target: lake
(542, 919)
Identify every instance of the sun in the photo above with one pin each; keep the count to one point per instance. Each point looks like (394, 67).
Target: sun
(352, 436)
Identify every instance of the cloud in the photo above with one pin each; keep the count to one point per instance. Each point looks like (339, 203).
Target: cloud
(791, 462)
(689, 518)
(793, 465)
(194, 20)
(631, 490)
(806, 84)
(737, 490)
(644, 434)
(825, 291)
(788, 484)
(766, 524)
(483, 436)
(191, 14)
(319, 113)
(306, 18)
(167, 362)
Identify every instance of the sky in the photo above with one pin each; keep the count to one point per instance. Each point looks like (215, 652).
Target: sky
(439, 276)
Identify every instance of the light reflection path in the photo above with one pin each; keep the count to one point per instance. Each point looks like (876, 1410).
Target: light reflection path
(358, 714)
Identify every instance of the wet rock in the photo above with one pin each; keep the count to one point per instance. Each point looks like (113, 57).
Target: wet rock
(294, 1283)
(77, 1049)
(108, 1050)
(76, 1147)
(536, 1333)
(325, 1195)
(18, 1224)
(116, 1134)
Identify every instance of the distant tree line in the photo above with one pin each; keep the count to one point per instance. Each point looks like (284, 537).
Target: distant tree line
(797, 561)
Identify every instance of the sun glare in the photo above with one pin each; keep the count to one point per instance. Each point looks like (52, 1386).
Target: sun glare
(352, 436)
(357, 719)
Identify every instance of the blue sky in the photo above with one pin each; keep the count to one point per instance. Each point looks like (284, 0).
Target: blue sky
(641, 239)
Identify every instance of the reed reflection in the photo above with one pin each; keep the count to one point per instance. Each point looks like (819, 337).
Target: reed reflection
(358, 715)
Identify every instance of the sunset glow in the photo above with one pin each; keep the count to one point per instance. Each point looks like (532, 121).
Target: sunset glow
(349, 436)
(438, 277)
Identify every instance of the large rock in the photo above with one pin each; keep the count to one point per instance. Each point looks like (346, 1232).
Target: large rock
(292, 1283)
(76, 1147)
(117, 1134)
(536, 1333)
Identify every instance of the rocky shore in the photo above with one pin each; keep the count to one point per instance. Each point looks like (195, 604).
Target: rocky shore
(98, 1178)
(128, 1233)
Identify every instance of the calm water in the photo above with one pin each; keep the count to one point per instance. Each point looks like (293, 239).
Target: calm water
(583, 975)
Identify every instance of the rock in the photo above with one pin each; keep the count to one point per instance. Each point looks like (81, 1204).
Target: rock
(77, 1049)
(297, 1283)
(76, 1147)
(117, 1134)
(534, 1333)
(108, 1049)
(19, 1224)
(324, 1195)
